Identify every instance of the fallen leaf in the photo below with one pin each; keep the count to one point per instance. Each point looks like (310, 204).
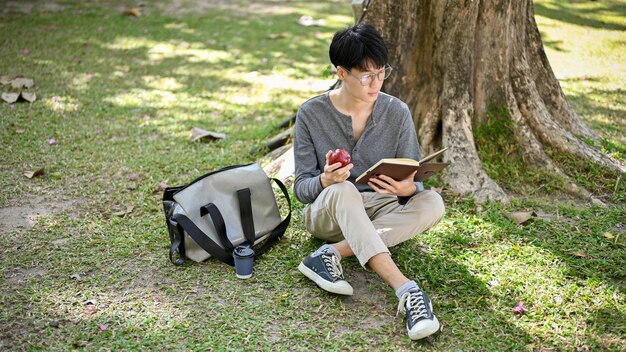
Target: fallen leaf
(38, 172)
(609, 235)
(29, 96)
(200, 134)
(581, 254)
(10, 97)
(6, 79)
(519, 309)
(133, 12)
(22, 83)
(91, 308)
(122, 213)
(520, 217)
(516, 247)
(20, 131)
(277, 36)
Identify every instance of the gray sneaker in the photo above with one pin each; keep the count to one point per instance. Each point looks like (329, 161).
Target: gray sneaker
(325, 270)
(420, 319)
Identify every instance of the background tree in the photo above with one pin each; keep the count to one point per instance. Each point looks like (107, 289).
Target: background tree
(456, 60)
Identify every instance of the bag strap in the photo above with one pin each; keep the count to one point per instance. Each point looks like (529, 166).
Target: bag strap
(279, 230)
(245, 212)
(176, 240)
(218, 223)
(203, 240)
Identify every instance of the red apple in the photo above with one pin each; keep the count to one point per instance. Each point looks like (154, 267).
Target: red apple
(339, 156)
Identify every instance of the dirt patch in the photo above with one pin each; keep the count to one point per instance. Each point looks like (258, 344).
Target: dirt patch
(179, 8)
(30, 6)
(24, 216)
(20, 276)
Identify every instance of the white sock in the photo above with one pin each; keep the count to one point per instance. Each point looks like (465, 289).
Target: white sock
(325, 248)
(405, 288)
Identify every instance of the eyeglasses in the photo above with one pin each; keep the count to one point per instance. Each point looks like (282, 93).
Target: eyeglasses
(367, 79)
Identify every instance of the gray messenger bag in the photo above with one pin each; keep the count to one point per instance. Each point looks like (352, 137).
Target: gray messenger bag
(223, 209)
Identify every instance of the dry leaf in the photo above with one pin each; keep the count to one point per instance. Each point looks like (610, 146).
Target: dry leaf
(22, 82)
(91, 308)
(581, 254)
(129, 209)
(29, 96)
(520, 217)
(10, 97)
(6, 79)
(609, 235)
(134, 12)
(520, 309)
(278, 36)
(31, 174)
(200, 134)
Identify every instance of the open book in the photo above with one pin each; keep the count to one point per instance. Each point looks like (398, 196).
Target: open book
(401, 168)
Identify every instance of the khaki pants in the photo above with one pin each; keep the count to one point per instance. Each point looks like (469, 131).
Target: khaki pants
(369, 221)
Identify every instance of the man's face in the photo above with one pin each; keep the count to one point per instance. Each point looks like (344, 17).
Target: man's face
(364, 85)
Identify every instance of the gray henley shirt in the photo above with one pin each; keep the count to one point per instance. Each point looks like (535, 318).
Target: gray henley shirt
(320, 127)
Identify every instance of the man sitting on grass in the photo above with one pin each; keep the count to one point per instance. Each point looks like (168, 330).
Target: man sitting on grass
(362, 220)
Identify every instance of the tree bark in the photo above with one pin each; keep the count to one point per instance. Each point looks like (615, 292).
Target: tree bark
(454, 59)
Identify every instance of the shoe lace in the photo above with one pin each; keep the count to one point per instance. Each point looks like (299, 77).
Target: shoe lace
(412, 303)
(333, 266)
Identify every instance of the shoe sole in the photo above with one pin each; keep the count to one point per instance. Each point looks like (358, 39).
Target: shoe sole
(427, 332)
(341, 289)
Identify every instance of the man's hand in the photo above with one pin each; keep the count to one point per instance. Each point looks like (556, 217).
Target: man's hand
(384, 184)
(334, 173)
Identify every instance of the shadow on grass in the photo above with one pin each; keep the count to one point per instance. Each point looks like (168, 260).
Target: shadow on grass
(613, 119)
(563, 11)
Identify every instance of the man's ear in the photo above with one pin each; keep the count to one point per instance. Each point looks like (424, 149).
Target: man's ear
(341, 73)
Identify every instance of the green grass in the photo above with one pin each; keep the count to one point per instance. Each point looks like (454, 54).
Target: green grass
(120, 96)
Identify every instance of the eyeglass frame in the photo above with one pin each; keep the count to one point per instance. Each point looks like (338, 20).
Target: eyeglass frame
(365, 77)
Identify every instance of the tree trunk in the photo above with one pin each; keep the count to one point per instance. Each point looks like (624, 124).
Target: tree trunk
(454, 59)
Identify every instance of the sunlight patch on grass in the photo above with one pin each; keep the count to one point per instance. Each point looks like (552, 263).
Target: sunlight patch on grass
(181, 27)
(162, 83)
(159, 51)
(63, 103)
(154, 98)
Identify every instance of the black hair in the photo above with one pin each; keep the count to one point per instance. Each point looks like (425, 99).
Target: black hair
(358, 46)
